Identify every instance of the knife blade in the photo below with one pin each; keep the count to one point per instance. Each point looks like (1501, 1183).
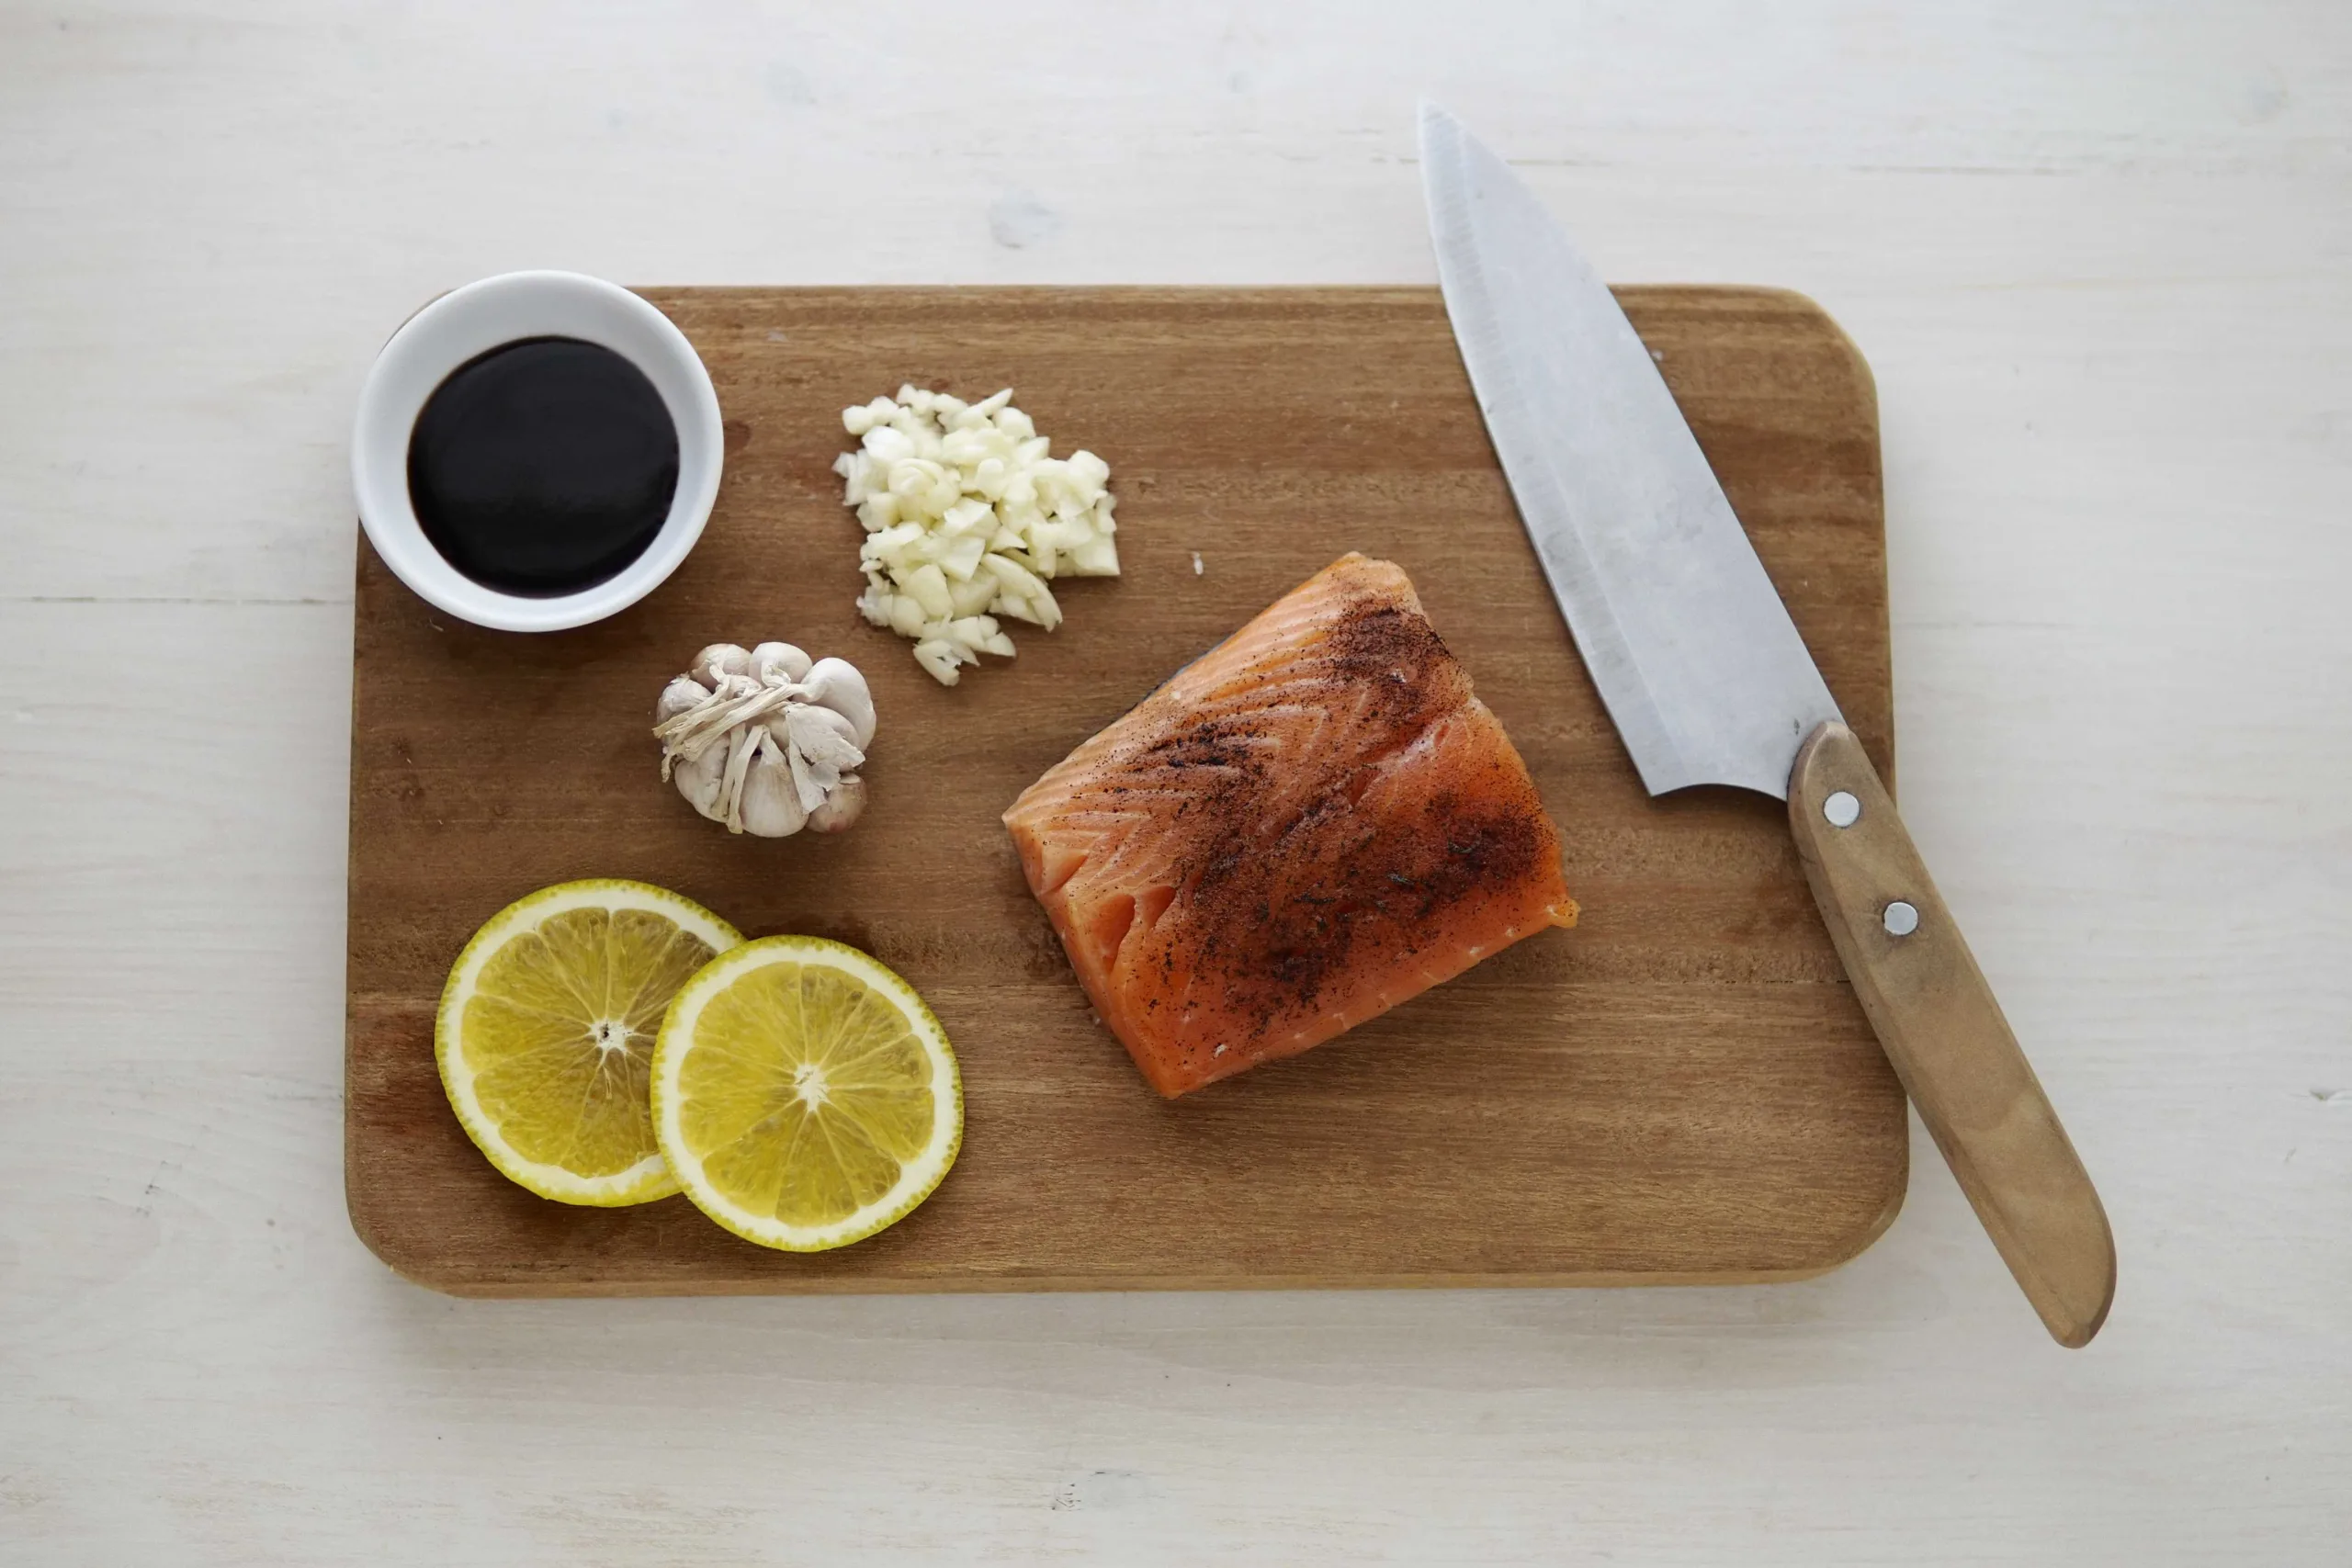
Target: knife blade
(1708, 682)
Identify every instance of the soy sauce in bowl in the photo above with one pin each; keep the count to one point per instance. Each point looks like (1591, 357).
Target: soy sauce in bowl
(543, 466)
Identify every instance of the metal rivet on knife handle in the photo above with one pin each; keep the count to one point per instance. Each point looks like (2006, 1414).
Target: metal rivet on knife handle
(1949, 1044)
(1842, 809)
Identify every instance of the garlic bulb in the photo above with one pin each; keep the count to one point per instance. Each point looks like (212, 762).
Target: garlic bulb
(767, 740)
(966, 517)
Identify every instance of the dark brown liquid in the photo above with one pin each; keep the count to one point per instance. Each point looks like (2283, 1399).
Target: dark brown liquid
(543, 466)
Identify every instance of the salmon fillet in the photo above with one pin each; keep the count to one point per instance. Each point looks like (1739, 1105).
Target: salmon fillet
(1314, 822)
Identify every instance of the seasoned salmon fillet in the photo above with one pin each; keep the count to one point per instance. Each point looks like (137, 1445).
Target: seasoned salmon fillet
(1315, 821)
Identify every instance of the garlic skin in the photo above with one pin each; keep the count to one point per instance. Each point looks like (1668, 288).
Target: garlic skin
(700, 779)
(679, 696)
(769, 807)
(767, 740)
(841, 809)
(835, 683)
(783, 654)
(714, 664)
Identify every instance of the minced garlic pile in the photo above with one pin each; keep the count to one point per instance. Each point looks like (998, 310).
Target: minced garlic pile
(967, 519)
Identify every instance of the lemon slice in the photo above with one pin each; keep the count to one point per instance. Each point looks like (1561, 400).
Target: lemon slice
(547, 1029)
(804, 1095)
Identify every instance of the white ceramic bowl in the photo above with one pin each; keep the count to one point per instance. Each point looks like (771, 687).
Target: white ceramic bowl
(472, 320)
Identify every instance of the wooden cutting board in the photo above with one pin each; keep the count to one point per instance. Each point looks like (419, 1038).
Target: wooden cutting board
(1682, 1089)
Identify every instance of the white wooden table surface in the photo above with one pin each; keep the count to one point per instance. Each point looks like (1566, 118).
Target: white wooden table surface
(2101, 256)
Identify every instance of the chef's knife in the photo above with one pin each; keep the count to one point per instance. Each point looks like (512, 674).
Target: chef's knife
(1709, 683)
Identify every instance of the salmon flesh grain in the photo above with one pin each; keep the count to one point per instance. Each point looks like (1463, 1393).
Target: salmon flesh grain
(1315, 821)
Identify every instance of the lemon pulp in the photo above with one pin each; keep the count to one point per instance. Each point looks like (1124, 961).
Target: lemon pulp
(804, 1095)
(547, 1027)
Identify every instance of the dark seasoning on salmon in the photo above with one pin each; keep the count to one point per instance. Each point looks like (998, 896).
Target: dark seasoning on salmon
(1273, 940)
(1316, 820)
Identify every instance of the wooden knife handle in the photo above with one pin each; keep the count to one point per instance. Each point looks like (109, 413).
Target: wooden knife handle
(1944, 1033)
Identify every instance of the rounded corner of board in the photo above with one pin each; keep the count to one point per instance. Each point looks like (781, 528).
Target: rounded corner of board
(398, 1252)
(1865, 382)
(1849, 1245)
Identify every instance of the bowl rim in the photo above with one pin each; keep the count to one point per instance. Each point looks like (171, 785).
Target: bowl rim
(471, 320)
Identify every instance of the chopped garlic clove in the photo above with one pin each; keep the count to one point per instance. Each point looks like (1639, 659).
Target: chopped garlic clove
(967, 448)
(1018, 580)
(888, 444)
(928, 585)
(973, 595)
(906, 616)
(851, 466)
(962, 558)
(1039, 612)
(968, 516)
(938, 656)
(893, 541)
(972, 631)
(1099, 556)
(913, 480)
(1063, 536)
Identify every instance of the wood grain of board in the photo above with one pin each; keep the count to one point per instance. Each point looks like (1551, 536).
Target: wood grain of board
(1682, 1089)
